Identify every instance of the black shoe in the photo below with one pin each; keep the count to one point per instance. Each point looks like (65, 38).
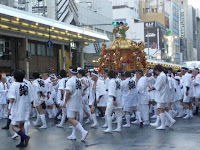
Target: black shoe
(196, 113)
(5, 128)
(20, 145)
(141, 124)
(101, 115)
(26, 141)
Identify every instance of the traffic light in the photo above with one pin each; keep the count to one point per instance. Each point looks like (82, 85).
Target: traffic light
(71, 55)
(114, 23)
(169, 32)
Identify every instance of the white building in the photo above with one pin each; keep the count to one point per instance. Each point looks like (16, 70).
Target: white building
(61, 10)
(96, 15)
(127, 11)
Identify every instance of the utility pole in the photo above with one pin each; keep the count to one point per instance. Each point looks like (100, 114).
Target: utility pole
(148, 43)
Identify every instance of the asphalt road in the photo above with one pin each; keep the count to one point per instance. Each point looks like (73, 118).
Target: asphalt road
(185, 135)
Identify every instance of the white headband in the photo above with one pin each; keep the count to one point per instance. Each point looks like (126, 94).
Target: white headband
(95, 74)
(71, 70)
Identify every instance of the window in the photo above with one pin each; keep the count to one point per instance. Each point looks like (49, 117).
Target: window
(5, 50)
(31, 48)
(110, 35)
(41, 50)
(99, 30)
(50, 51)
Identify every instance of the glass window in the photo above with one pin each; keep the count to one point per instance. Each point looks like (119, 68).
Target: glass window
(39, 50)
(43, 50)
(2, 47)
(99, 30)
(49, 51)
(52, 51)
(32, 48)
(110, 35)
(5, 50)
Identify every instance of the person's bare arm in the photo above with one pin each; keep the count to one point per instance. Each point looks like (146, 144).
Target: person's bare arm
(67, 97)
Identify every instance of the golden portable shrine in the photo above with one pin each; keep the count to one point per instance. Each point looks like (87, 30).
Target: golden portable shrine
(123, 54)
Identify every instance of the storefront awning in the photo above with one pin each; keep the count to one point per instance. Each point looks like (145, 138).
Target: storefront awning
(25, 22)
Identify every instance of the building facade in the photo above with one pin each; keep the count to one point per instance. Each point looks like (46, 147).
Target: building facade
(35, 43)
(127, 11)
(168, 14)
(95, 15)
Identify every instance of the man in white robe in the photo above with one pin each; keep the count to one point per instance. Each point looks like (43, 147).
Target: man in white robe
(19, 96)
(187, 91)
(3, 98)
(151, 95)
(73, 96)
(85, 96)
(129, 97)
(106, 84)
(178, 95)
(40, 96)
(161, 97)
(61, 96)
(196, 89)
(143, 101)
(111, 98)
(51, 108)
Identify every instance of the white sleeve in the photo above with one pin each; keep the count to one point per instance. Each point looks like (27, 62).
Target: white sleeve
(2, 91)
(69, 85)
(188, 81)
(101, 89)
(141, 86)
(11, 92)
(61, 85)
(159, 83)
(112, 88)
(198, 79)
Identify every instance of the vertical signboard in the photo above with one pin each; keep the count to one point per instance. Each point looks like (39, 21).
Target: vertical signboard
(182, 20)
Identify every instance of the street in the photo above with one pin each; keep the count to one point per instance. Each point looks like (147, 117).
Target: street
(183, 136)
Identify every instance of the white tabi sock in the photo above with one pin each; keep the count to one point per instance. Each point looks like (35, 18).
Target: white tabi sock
(128, 119)
(43, 119)
(138, 114)
(26, 127)
(80, 128)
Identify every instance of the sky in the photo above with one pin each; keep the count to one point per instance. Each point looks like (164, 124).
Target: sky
(194, 3)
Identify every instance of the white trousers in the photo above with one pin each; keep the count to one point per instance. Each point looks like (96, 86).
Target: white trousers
(144, 110)
(3, 110)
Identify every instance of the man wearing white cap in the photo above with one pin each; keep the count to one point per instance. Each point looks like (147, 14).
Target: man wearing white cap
(85, 96)
(142, 114)
(161, 97)
(187, 91)
(98, 95)
(178, 94)
(61, 94)
(111, 98)
(129, 97)
(151, 95)
(72, 102)
(51, 109)
(106, 82)
(196, 89)
(3, 98)
(40, 96)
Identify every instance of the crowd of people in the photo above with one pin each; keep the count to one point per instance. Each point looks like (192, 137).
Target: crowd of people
(135, 97)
